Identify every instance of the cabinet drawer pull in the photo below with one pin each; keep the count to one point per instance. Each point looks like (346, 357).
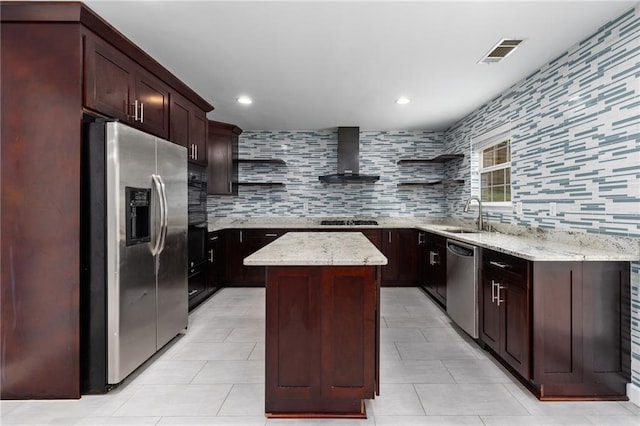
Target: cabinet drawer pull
(213, 238)
(270, 235)
(500, 265)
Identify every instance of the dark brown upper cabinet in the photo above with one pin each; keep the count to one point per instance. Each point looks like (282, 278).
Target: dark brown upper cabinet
(118, 87)
(222, 158)
(188, 127)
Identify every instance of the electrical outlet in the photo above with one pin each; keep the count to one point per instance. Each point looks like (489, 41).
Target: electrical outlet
(305, 207)
(403, 207)
(552, 209)
(519, 207)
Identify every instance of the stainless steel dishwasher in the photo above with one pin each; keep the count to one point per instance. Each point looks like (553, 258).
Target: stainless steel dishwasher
(462, 286)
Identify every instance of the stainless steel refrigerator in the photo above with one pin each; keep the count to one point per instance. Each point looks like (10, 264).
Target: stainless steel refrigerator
(134, 237)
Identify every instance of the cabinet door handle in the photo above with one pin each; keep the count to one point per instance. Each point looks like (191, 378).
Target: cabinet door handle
(135, 110)
(500, 265)
(230, 187)
(420, 238)
(195, 147)
(240, 236)
(434, 258)
(211, 255)
(389, 237)
(500, 287)
(142, 112)
(493, 291)
(270, 235)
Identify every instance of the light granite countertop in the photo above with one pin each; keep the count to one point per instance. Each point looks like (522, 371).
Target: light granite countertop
(318, 249)
(528, 243)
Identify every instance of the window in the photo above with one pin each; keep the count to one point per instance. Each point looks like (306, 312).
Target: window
(495, 171)
(491, 167)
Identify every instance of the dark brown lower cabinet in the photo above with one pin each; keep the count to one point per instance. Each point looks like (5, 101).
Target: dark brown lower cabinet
(504, 309)
(562, 327)
(401, 247)
(581, 325)
(322, 344)
(241, 243)
(433, 266)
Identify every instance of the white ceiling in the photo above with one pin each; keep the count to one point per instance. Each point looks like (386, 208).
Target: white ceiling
(317, 65)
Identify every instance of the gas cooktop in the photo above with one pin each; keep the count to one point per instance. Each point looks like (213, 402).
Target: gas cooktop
(348, 222)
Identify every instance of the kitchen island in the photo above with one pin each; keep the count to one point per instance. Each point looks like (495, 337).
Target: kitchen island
(322, 323)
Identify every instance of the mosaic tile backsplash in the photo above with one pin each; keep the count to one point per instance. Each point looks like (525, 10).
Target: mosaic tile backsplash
(575, 134)
(314, 153)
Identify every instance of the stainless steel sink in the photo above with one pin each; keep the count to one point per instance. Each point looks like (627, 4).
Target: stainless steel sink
(462, 230)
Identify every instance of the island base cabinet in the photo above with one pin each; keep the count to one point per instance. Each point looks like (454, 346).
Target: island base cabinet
(581, 321)
(321, 340)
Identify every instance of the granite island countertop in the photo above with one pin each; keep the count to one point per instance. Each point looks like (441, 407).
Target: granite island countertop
(531, 244)
(318, 249)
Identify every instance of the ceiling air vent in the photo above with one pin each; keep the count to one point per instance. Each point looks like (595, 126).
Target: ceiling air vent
(500, 51)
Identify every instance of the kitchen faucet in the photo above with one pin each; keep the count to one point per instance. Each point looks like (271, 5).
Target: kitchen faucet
(466, 209)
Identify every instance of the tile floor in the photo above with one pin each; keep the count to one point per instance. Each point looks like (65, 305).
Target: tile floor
(214, 375)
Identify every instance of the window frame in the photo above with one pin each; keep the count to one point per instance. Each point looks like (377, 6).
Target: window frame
(487, 140)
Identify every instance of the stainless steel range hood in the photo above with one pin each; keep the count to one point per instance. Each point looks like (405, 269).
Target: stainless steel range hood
(348, 159)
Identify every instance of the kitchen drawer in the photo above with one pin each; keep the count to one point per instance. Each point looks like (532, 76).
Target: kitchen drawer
(496, 261)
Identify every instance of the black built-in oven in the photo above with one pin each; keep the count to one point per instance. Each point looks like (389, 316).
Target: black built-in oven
(197, 198)
(197, 236)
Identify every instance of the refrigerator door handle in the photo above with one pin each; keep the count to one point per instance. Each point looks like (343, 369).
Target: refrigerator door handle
(164, 225)
(157, 183)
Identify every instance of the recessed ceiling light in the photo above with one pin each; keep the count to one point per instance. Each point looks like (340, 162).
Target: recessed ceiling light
(245, 100)
(403, 100)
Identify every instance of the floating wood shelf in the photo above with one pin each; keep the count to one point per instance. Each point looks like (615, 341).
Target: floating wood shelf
(439, 159)
(261, 184)
(261, 160)
(447, 182)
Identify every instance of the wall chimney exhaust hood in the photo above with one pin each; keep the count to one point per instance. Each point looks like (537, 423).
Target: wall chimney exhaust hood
(348, 159)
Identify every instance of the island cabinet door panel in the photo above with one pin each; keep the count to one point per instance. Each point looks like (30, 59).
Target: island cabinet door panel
(348, 339)
(557, 322)
(293, 334)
